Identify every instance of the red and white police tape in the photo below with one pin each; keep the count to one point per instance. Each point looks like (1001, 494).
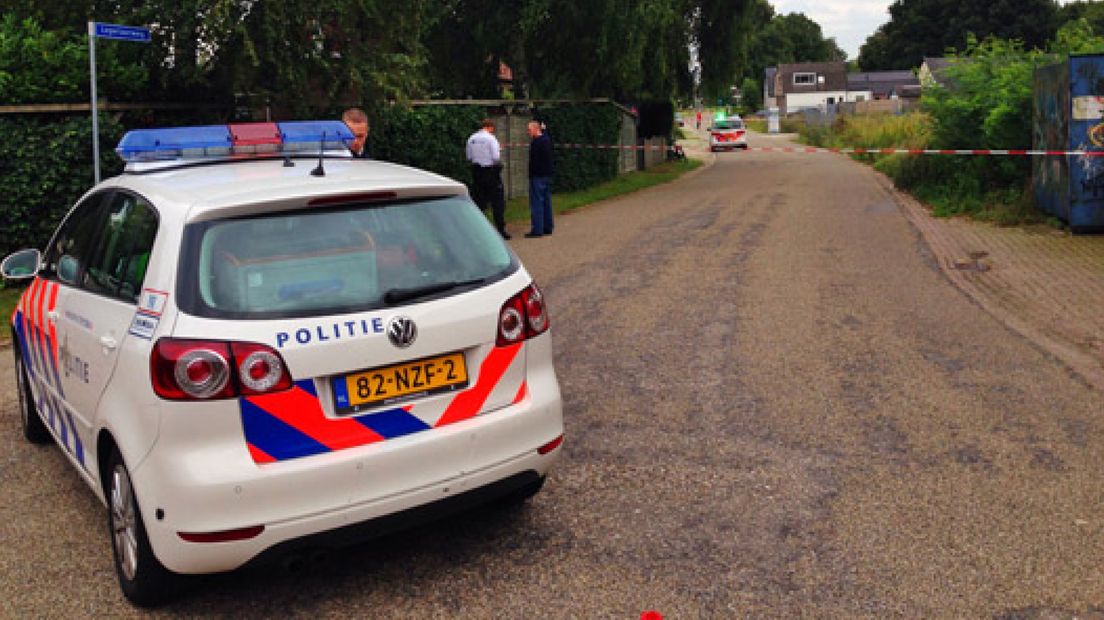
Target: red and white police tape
(844, 150)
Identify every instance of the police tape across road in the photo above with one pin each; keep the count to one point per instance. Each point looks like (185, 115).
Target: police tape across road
(844, 150)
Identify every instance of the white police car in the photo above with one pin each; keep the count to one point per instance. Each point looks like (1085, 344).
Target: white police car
(250, 343)
(727, 134)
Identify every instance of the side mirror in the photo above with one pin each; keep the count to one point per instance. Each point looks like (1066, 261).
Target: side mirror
(21, 265)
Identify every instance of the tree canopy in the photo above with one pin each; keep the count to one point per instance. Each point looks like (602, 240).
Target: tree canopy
(1092, 12)
(300, 55)
(919, 28)
(787, 39)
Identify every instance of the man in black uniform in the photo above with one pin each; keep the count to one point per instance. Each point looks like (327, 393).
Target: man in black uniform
(485, 155)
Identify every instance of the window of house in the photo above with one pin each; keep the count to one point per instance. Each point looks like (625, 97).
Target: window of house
(804, 78)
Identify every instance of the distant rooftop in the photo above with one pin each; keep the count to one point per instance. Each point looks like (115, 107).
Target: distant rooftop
(882, 83)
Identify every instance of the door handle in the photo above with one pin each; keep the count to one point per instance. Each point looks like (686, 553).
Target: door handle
(108, 342)
(52, 315)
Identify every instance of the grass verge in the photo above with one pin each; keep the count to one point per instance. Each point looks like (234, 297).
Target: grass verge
(9, 297)
(787, 124)
(517, 209)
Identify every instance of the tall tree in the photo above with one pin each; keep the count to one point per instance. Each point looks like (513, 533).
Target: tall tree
(786, 39)
(1093, 12)
(919, 28)
(628, 49)
(296, 55)
(721, 33)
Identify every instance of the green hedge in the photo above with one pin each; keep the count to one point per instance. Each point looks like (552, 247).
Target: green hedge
(428, 137)
(45, 167)
(433, 138)
(583, 124)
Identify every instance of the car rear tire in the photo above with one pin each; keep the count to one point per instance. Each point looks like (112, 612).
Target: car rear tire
(34, 429)
(142, 578)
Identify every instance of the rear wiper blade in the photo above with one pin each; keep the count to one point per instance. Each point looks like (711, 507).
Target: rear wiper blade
(399, 295)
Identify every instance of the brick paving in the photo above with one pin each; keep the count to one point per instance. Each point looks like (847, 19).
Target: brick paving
(1044, 283)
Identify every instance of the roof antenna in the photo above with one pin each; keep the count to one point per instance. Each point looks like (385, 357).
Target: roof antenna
(319, 171)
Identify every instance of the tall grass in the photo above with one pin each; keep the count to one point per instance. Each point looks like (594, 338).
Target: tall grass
(912, 131)
(951, 185)
(787, 124)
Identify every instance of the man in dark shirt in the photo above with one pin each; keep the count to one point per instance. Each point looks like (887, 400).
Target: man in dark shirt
(540, 181)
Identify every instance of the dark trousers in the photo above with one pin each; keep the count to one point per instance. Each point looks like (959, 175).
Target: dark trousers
(487, 187)
(540, 205)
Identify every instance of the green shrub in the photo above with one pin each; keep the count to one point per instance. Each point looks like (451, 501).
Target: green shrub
(429, 137)
(41, 66)
(583, 124)
(433, 138)
(45, 167)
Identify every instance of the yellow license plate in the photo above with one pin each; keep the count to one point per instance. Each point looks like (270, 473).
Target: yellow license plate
(389, 384)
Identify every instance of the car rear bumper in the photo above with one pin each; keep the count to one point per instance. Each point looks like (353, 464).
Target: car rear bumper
(287, 522)
(200, 485)
(740, 143)
(306, 546)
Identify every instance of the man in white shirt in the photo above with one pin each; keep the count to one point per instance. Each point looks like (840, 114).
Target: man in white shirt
(485, 156)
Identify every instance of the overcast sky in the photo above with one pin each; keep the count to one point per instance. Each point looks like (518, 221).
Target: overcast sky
(849, 21)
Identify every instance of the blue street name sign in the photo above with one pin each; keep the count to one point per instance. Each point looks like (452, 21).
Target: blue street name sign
(122, 33)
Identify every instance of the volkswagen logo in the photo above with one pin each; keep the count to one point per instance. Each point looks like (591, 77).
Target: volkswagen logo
(402, 332)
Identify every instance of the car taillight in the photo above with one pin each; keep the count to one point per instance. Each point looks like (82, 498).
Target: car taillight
(213, 370)
(202, 373)
(260, 369)
(522, 316)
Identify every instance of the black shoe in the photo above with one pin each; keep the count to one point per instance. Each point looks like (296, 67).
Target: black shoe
(531, 235)
(505, 235)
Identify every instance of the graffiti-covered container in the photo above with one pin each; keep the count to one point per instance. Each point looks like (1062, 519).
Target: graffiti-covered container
(1069, 116)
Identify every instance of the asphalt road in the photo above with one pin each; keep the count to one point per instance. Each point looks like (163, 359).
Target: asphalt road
(776, 406)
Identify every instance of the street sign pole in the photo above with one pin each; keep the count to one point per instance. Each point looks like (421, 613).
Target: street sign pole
(136, 34)
(95, 114)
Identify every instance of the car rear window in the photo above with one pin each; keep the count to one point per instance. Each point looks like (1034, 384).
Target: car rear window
(308, 263)
(729, 125)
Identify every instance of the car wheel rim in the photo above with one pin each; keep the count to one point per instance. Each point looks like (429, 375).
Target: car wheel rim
(124, 522)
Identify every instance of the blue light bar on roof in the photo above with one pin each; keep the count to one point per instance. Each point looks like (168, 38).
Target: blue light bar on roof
(175, 143)
(306, 136)
(234, 141)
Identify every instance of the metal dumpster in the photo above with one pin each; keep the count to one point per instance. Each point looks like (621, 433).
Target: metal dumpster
(1069, 116)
